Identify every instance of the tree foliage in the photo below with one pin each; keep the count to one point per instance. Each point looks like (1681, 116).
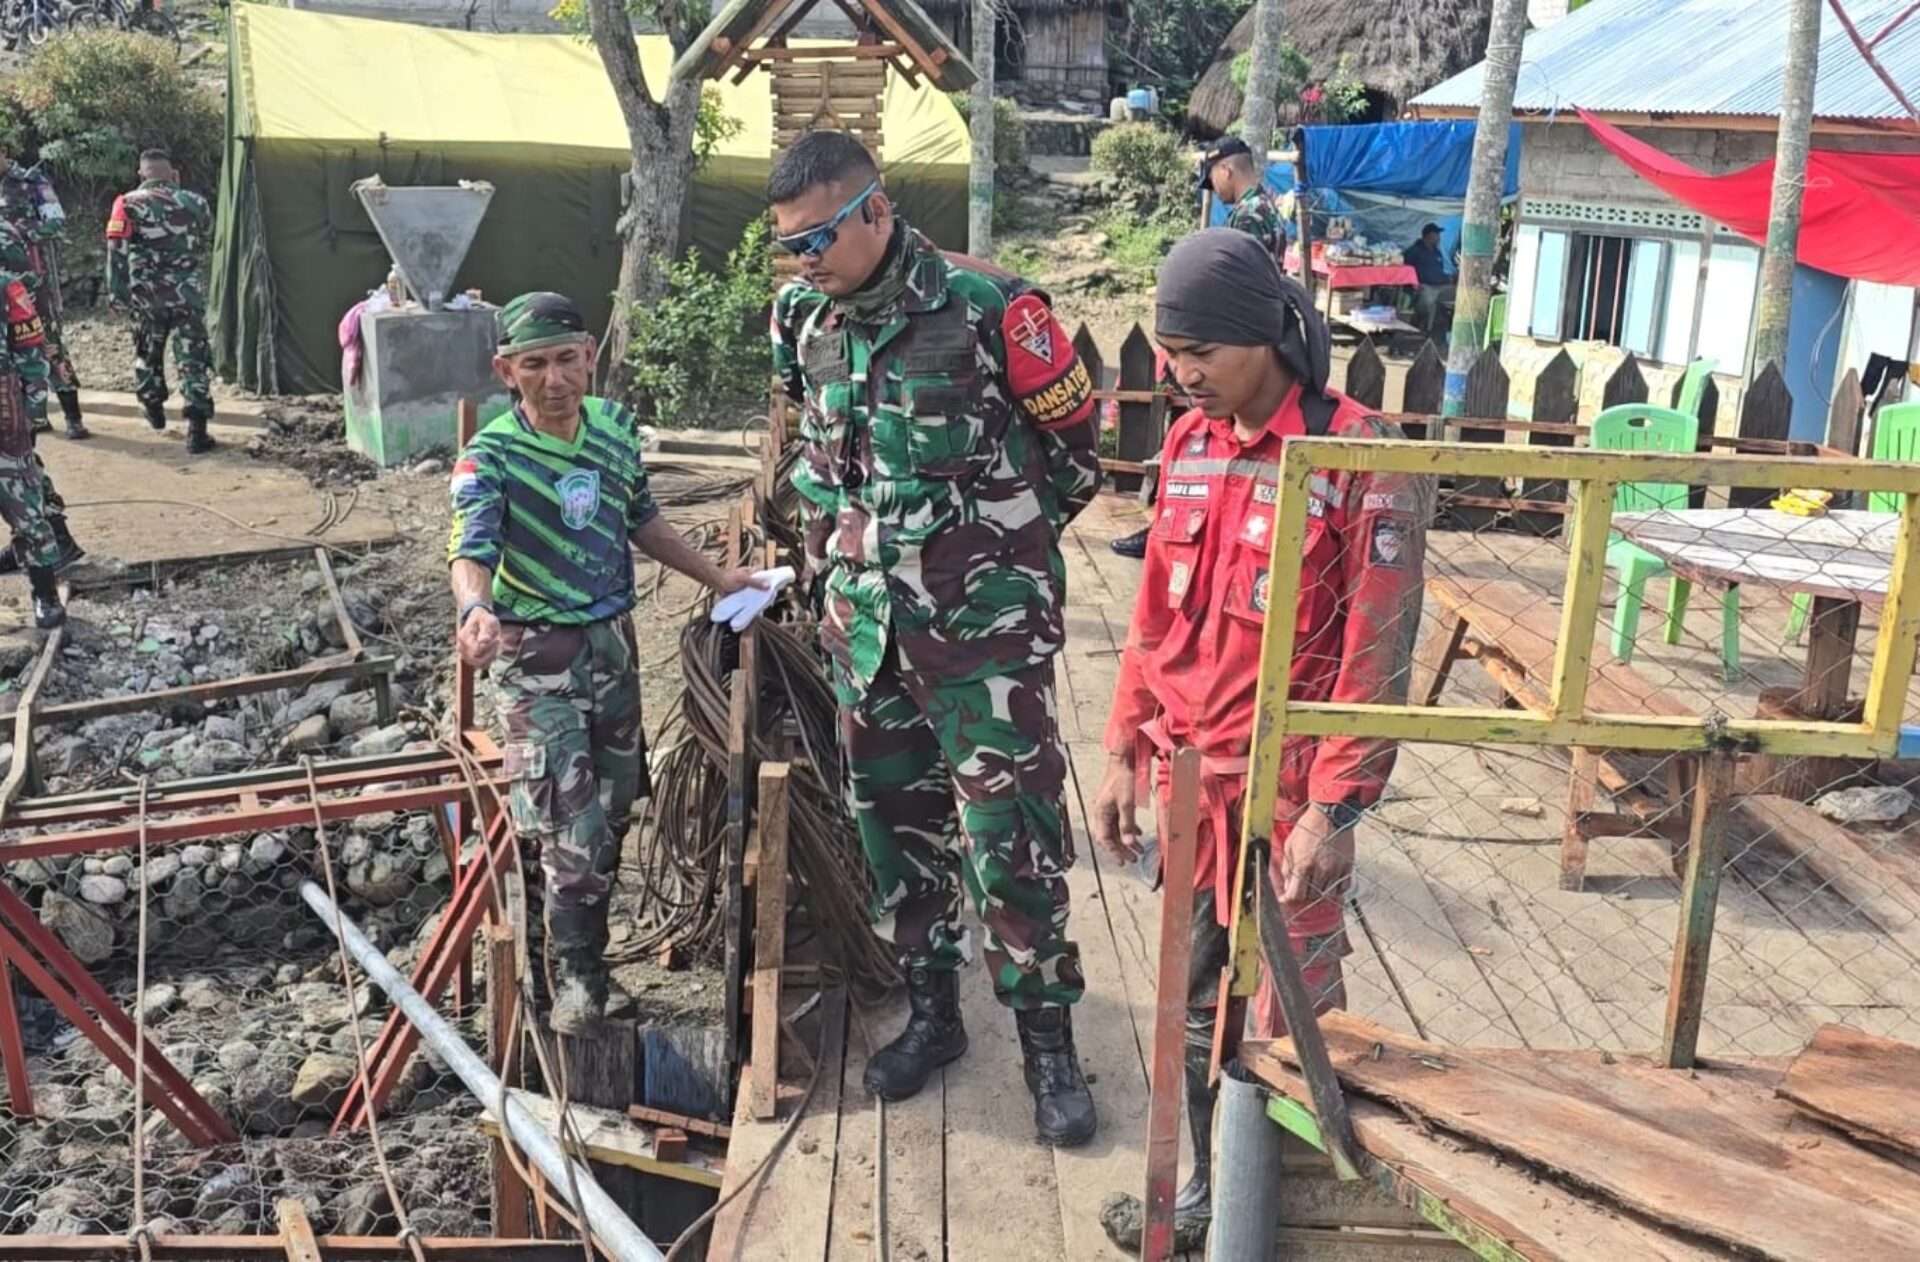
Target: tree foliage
(699, 353)
(1174, 41)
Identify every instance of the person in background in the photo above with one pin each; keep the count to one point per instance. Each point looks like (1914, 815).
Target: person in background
(549, 502)
(946, 441)
(23, 400)
(1236, 179)
(31, 207)
(1254, 357)
(1436, 279)
(157, 237)
(16, 261)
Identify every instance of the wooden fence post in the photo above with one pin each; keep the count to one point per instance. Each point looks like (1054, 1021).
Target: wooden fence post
(1844, 417)
(1139, 431)
(1486, 399)
(1627, 385)
(1426, 389)
(1556, 401)
(1764, 413)
(1367, 377)
(1089, 352)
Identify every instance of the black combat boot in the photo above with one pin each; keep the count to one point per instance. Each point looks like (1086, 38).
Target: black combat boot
(1124, 1215)
(48, 612)
(199, 442)
(156, 414)
(41, 425)
(933, 1037)
(70, 549)
(70, 407)
(1063, 1113)
(1133, 545)
(576, 950)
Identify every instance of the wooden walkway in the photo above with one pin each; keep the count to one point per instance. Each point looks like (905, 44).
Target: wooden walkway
(1461, 935)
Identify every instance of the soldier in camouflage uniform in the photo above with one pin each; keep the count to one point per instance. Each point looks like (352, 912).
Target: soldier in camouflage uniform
(29, 205)
(947, 442)
(157, 238)
(548, 503)
(23, 396)
(1230, 171)
(16, 261)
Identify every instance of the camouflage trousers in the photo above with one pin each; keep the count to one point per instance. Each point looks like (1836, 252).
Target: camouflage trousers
(964, 784)
(23, 487)
(192, 354)
(570, 699)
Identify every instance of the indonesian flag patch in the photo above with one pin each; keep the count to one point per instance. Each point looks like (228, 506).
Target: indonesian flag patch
(465, 474)
(1049, 382)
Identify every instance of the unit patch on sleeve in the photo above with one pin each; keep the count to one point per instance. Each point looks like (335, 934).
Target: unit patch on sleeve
(1049, 381)
(1387, 545)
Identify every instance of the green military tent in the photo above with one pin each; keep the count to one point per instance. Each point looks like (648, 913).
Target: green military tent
(316, 102)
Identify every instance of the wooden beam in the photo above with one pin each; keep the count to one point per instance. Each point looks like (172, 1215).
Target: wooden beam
(884, 16)
(613, 1139)
(325, 670)
(23, 711)
(1699, 901)
(1586, 573)
(855, 52)
(680, 1121)
(295, 1231)
(1168, 1084)
(769, 940)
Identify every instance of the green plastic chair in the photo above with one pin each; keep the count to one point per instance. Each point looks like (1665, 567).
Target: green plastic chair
(1496, 320)
(1896, 437)
(1645, 427)
(1693, 384)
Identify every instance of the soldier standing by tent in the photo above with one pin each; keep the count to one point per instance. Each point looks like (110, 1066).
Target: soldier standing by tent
(30, 206)
(548, 503)
(156, 247)
(946, 443)
(23, 397)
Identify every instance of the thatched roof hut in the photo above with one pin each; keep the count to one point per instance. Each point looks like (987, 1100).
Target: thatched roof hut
(1056, 43)
(1399, 50)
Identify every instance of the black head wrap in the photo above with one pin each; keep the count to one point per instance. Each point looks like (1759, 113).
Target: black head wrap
(1222, 286)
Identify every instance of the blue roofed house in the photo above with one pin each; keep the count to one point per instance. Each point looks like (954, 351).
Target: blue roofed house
(1604, 262)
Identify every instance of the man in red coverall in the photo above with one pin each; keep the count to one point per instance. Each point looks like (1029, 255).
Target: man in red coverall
(1252, 355)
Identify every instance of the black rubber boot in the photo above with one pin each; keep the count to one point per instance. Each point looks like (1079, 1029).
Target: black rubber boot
(70, 408)
(934, 1036)
(48, 612)
(1133, 545)
(576, 950)
(1063, 1114)
(1124, 1215)
(199, 441)
(156, 415)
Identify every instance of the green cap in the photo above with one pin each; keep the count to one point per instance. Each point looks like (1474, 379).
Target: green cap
(536, 321)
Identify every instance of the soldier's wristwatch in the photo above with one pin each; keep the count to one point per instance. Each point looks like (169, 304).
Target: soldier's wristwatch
(1344, 815)
(466, 610)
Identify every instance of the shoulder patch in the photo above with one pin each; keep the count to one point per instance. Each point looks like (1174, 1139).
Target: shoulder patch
(1048, 380)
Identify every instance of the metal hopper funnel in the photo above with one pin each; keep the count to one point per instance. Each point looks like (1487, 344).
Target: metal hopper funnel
(427, 231)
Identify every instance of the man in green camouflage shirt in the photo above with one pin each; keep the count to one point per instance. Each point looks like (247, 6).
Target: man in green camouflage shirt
(16, 261)
(1230, 171)
(549, 502)
(157, 238)
(946, 443)
(30, 206)
(23, 398)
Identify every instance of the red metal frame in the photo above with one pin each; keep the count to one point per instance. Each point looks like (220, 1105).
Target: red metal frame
(447, 950)
(13, 1048)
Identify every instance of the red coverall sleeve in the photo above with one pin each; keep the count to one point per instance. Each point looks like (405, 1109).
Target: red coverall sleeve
(1134, 701)
(1382, 519)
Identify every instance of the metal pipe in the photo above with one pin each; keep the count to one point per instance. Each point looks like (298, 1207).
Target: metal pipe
(1248, 1151)
(612, 1229)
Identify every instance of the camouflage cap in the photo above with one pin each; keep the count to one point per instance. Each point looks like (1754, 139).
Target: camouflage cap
(536, 321)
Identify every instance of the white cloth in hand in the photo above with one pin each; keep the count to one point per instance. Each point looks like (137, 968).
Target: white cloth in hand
(742, 607)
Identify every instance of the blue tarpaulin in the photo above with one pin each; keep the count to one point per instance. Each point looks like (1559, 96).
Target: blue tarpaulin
(1399, 159)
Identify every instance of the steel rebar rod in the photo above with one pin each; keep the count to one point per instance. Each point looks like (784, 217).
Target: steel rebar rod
(611, 1226)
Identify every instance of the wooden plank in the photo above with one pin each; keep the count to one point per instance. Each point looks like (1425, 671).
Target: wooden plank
(769, 938)
(1657, 1161)
(612, 1138)
(1841, 861)
(1500, 1209)
(1699, 904)
(1002, 1189)
(295, 1231)
(1867, 1086)
(910, 1181)
(23, 759)
(1168, 1086)
(782, 1215)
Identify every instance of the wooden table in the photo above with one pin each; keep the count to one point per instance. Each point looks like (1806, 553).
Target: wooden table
(1842, 559)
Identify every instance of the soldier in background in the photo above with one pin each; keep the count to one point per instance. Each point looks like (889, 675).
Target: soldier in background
(156, 250)
(15, 261)
(947, 440)
(1230, 171)
(23, 397)
(30, 206)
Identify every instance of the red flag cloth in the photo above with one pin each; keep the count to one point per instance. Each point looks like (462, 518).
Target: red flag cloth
(1860, 216)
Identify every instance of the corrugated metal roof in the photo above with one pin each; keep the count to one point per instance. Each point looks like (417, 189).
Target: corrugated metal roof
(1699, 57)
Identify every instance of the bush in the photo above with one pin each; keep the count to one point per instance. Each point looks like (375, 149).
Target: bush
(1146, 160)
(1009, 130)
(90, 101)
(700, 353)
(1136, 244)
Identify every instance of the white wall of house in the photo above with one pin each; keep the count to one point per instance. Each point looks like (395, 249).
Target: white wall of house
(1545, 12)
(1605, 262)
